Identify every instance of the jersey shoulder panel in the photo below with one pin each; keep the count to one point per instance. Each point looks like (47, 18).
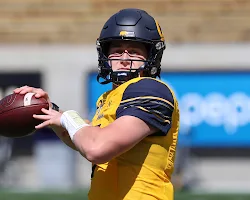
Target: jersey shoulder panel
(150, 100)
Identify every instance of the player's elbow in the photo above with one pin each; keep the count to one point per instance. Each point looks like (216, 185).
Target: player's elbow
(97, 150)
(101, 152)
(97, 156)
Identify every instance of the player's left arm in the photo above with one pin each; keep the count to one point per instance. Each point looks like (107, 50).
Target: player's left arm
(146, 109)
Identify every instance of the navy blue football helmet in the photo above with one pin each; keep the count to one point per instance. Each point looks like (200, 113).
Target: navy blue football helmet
(133, 25)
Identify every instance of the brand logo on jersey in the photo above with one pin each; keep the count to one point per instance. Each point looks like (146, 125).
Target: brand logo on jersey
(99, 116)
(98, 109)
(109, 103)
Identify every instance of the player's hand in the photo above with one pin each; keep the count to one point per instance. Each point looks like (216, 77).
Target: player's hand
(38, 92)
(51, 119)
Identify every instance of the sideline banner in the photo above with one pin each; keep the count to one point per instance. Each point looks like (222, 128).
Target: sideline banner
(214, 106)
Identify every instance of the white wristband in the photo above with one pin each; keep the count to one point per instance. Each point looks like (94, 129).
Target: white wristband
(72, 122)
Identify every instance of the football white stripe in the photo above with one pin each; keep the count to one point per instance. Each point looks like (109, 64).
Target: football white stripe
(27, 99)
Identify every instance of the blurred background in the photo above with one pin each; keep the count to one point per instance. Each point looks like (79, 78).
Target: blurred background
(51, 44)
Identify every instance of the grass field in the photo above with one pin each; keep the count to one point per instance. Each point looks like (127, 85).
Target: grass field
(81, 195)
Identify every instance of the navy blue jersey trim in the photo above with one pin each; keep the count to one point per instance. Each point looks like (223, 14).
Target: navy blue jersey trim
(151, 101)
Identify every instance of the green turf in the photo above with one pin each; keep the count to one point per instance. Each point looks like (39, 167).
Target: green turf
(186, 196)
(81, 195)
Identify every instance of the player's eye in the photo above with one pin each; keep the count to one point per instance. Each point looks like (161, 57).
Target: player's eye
(119, 51)
(116, 51)
(135, 52)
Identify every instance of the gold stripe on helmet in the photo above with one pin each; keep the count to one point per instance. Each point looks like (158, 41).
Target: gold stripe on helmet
(159, 30)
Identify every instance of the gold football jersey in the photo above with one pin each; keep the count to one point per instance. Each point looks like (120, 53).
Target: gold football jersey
(143, 172)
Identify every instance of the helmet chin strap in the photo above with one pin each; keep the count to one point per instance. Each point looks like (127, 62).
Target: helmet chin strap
(119, 77)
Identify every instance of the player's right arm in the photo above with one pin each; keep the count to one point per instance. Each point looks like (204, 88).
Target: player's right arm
(64, 137)
(60, 132)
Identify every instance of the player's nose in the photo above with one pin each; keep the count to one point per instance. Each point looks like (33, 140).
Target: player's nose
(124, 59)
(125, 55)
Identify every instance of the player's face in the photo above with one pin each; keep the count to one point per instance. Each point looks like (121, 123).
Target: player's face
(125, 51)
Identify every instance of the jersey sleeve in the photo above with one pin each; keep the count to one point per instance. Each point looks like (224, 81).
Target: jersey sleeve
(149, 100)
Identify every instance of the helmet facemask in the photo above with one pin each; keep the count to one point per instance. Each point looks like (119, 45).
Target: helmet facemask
(149, 68)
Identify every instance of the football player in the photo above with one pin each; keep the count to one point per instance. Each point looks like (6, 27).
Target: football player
(132, 138)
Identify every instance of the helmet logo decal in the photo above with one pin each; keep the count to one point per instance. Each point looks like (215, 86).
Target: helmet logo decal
(127, 34)
(159, 30)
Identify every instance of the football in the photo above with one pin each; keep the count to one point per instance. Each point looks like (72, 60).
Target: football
(16, 114)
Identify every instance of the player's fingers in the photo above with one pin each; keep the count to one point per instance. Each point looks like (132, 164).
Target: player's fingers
(49, 112)
(42, 117)
(45, 111)
(27, 89)
(25, 86)
(17, 90)
(40, 93)
(43, 125)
